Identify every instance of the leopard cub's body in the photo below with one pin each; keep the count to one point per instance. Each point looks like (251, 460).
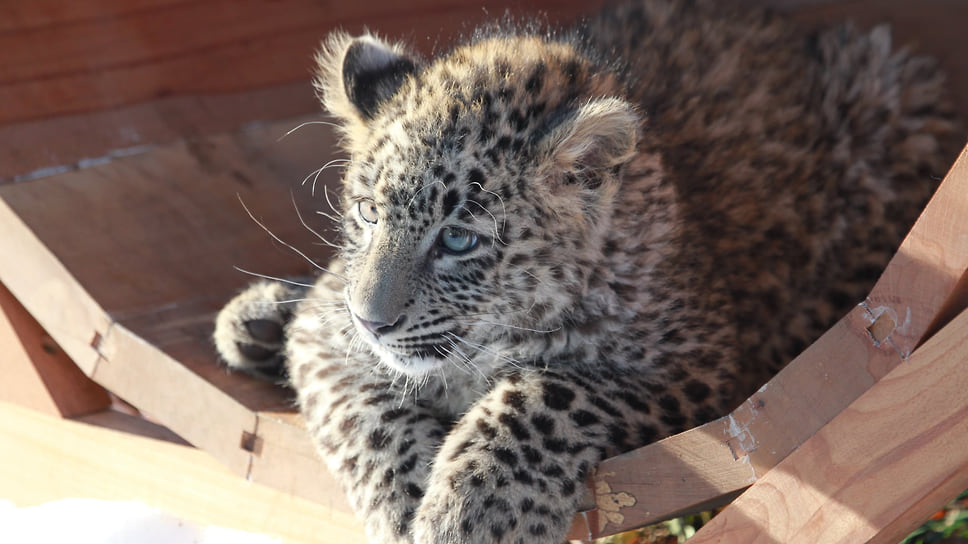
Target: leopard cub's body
(558, 248)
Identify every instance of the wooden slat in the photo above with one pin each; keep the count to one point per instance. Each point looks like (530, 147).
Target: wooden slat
(885, 454)
(917, 512)
(925, 273)
(702, 466)
(44, 459)
(122, 56)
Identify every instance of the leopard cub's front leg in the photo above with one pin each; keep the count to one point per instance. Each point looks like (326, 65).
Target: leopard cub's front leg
(375, 439)
(513, 469)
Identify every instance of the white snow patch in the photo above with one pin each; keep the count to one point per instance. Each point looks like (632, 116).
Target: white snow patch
(90, 521)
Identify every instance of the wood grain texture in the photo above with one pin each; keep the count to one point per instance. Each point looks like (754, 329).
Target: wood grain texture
(44, 459)
(80, 82)
(882, 456)
(121, 53)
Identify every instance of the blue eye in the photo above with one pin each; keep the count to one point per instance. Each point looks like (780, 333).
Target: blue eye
(367, 210)
(457, 241)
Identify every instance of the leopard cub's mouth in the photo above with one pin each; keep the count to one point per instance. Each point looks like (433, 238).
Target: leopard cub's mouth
(412, 356)
(412, 362)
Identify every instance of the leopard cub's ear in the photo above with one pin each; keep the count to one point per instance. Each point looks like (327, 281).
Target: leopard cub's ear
(356, 75)
(598, 135)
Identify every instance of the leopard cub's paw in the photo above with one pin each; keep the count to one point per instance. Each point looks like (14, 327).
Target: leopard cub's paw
(250, 329)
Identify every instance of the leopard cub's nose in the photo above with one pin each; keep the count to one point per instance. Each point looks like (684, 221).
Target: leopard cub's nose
(379, 327)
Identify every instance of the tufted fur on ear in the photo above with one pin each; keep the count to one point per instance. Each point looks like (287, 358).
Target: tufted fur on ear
(596, 137)
(356, 75)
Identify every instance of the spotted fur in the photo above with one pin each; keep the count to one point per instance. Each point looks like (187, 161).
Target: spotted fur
(559, 247)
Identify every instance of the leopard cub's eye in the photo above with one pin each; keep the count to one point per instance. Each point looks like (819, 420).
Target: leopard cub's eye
(368, 212)
(457, 241)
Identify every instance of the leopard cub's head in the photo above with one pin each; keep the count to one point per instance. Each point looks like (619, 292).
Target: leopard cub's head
(479, 191)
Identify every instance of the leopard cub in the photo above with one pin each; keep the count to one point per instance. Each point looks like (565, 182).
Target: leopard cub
(558, 246)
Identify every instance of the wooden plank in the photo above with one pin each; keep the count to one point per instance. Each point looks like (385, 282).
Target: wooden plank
(36, 372)
(123, 56)
(726, 455)
(195, 409)
(922, 509)
(162, 234)
(284, 455)
(884, 454)
(120, 54)
(79, 82)
(44, 459)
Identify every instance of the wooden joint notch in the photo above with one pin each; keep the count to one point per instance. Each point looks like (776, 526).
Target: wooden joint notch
(739, 434)
(252, 443)
(883, 321)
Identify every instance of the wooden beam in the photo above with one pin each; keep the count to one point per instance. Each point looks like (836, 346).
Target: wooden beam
(875, 470)
(44, 459)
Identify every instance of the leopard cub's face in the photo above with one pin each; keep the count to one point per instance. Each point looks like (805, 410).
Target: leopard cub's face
(478, 193)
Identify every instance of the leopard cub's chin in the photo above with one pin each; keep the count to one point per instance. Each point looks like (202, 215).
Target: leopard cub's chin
(408, 363)
(414, 366)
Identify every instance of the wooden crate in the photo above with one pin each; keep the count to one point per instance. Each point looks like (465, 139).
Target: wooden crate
(133, 133)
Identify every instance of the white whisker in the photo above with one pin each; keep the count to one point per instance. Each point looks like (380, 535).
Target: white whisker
(301, 125)
(266, 277)
(310, 229)
(484, 349)
(327, 216)
(414, 197)
(504, 210)
(497, 236)
(466, 363)
(334, 208)
(515, 327)
(276, 238)
(332, 163)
